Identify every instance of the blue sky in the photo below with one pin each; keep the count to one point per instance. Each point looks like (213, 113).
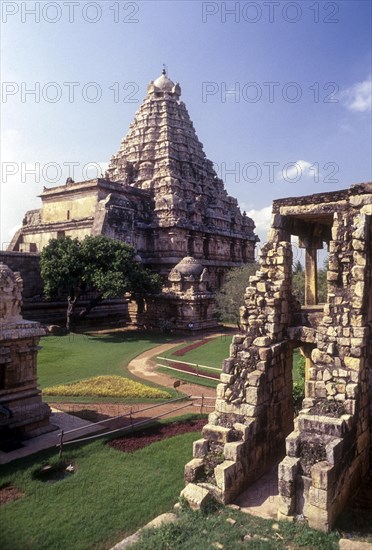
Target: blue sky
(301, 72)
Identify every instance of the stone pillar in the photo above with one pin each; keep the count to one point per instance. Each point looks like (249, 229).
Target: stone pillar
(311, 244)
(311, 286)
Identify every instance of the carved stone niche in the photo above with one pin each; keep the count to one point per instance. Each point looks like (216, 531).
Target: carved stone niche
(22, 412)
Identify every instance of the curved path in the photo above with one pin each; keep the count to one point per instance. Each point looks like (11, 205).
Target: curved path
(144, 367)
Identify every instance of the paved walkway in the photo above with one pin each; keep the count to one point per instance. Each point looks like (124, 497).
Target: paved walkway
(261, 498)
(59, 421)
(144, 367)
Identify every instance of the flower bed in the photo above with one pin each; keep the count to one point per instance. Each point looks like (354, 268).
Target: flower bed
(138, 440)
(107, 386)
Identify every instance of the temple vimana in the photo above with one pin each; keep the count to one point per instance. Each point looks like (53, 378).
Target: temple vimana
(161, 195)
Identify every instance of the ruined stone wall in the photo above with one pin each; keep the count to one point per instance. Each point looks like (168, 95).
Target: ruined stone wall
(328, 452)
(254, 407)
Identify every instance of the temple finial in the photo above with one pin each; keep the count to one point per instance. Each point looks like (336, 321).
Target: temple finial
(164, 71)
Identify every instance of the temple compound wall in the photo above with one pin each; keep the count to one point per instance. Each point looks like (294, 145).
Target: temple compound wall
(326, 450)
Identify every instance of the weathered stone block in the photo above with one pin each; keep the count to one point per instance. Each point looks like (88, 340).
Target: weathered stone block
(353, 363)
(200, 448)
(286, 505)
(318, 518)
(322, 475)
(225, 475)
(262, 341)
(197, 497)
(318, 356)
(226, 378)
(219, 434)
(220, 390)
(193, 470)
(255, 377)
(292, 443)
(234, 450)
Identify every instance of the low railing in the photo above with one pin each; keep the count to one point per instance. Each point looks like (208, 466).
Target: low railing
(132, 425)
(197, 366)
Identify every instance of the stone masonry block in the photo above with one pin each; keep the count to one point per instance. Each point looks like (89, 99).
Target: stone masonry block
(262, 341)
(353, 363)
(322, 475)
(197, 497)
(225, 475)
(292, 443)
(322, 425)
(248, 429)
(219, 434)
(226, 378)
(234, 450)
(318, 518)
(288, 468)
(286, 505)
(193, 469)
(200, 448)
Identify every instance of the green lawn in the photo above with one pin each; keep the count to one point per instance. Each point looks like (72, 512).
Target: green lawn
(65, 359)
(227, 529)
(111, 495)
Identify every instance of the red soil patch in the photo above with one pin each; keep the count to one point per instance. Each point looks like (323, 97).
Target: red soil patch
(138, 440)
(186, 349)
(192, 370)
(9, 493)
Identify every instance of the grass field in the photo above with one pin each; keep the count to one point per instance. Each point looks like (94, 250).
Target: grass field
(111, 495)
(234, 530)
(75, 357)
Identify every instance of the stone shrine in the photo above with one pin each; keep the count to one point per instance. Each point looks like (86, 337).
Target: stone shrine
(324, 454)
(160, 194)
(22, 412)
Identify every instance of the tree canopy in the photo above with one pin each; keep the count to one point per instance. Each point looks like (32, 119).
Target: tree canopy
(231, 294)
(106, 267)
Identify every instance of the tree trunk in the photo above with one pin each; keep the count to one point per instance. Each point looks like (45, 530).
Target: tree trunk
(71, 302)
(93, 303)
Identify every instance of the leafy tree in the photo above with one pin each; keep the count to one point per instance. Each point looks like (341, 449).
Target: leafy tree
(298, 282)
(230, 296)
(103, 266)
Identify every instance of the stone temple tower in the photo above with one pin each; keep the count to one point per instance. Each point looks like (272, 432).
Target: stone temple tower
(160, 194)
(193, 214)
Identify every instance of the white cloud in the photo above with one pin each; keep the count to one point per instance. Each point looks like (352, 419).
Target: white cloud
(262, 219)
(292, 172)
(359, 96)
